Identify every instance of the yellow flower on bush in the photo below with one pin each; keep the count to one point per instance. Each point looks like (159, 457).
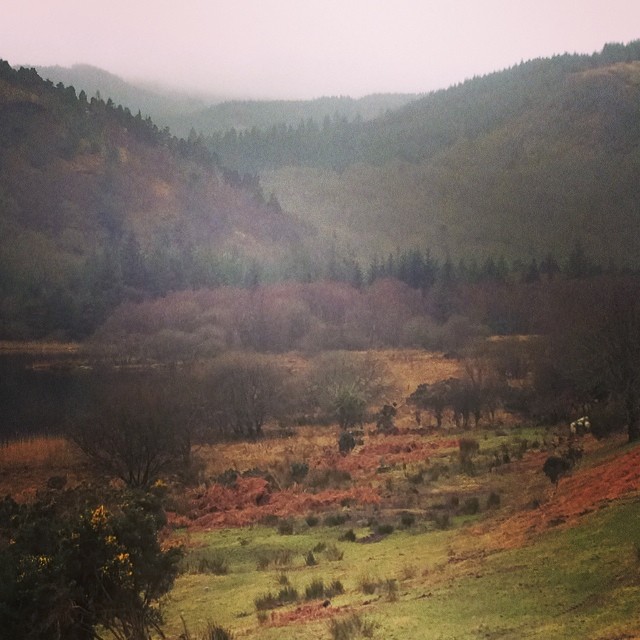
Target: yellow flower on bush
(99, 517)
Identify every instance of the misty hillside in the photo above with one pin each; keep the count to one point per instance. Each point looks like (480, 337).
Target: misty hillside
(518, 163)
(98, 205)
(268, 114)
(182, 113)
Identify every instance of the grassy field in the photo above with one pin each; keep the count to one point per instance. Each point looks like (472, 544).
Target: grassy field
(579, 582)
(398, 538)
(540, 563)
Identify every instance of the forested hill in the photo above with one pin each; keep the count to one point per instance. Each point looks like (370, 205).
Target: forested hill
(518, 163)
(208, 116)
(98, 205)
(162, 105)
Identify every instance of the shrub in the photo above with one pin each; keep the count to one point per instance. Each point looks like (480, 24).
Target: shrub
(315, 590)
(279, 558)
(283, 579)
(384, 529)
(469, 447)
(442, 520)
(283, 557)
(436, 470)
(310, 559)
(471, 506)
(262, 616)
(299, 471)
(336, 519)
(390, 587)
(555, 467)
(368, 585)
(327, 478)
(71, 569)
(493, 500)
(351, 627)
(286, 595)
(265, 602)
(607, 418)
(215, 632)
(407, 519)
(333, 554)
(348, 536)
(416, 477)
(336, 588)
(285, 527)
(312, 520)
(205, 562)
(346, 442)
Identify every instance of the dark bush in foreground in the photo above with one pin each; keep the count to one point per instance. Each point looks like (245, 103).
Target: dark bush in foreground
(83, 563)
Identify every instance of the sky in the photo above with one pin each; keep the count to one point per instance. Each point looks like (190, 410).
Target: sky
(303, 49)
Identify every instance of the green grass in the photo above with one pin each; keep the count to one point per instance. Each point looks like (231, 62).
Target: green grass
(576, 583)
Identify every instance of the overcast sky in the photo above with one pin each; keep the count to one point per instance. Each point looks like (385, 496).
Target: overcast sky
(307, 48)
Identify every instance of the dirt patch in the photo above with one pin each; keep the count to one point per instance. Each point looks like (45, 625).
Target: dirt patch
(306, 613)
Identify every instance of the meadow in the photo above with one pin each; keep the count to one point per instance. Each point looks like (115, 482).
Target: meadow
(402, 537)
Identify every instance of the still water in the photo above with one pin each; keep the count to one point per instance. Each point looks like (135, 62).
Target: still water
(38, 392)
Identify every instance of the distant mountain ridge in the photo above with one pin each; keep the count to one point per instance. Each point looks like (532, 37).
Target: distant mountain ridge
(182, 112)
(160, 105)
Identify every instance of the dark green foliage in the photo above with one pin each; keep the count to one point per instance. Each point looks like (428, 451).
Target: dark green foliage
(285, 527)
(349, 408)
(384, 419)
(407, 519)
(384, 529)
(315, 590)
(286, 595)
(83, 562)
(471, 506)
(312, 520)
(310, 559)
(348, 536)
(493, 500)
(346, 442)
(335, 519)
(299, 471)
(469, 447)
(555, 467)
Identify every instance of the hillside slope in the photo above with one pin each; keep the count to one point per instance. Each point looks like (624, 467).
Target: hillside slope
(519, 163)
(98, 205)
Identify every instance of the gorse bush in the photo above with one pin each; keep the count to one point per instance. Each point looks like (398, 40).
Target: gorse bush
(70, 569)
